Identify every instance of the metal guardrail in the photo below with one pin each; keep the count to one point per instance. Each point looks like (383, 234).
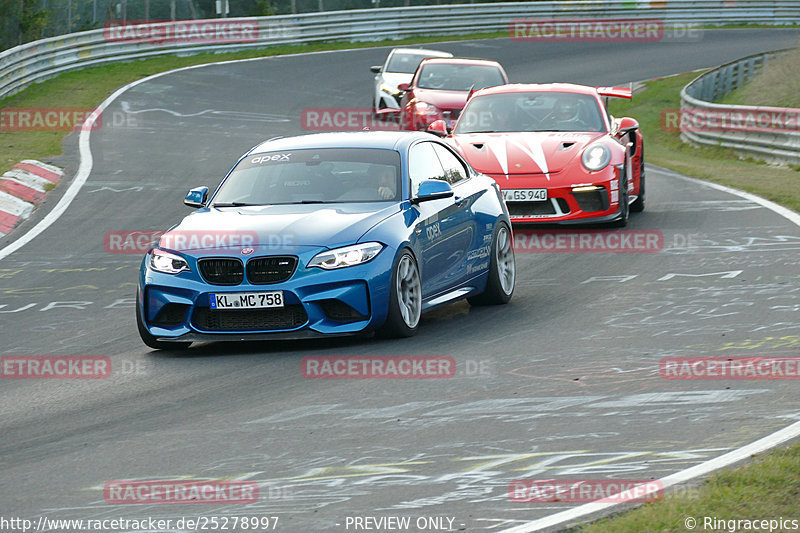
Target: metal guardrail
(38, 60)
(768, 133)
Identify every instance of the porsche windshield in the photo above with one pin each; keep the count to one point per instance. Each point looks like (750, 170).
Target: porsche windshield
(318, 175)
(534, 111)
(459, 77)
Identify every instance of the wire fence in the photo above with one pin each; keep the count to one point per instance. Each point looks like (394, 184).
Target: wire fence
(22, 21)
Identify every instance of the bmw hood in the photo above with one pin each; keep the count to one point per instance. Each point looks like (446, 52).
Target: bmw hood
(275, 226)
(523, 153)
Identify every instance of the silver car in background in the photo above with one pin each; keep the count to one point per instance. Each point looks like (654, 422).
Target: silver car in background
(399, 67)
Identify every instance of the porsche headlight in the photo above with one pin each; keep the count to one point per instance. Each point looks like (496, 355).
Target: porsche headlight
(388, 89)
(167, 263)
(346, 257)
(596, 157)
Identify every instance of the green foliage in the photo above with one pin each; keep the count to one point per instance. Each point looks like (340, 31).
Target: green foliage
(32, 20)
(262, 8)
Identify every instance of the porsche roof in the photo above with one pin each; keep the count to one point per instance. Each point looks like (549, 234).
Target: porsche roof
(538, 87)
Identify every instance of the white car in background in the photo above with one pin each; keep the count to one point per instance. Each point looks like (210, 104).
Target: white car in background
(399, 68)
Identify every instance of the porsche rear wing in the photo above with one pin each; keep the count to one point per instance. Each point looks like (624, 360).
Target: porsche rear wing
(616, 92)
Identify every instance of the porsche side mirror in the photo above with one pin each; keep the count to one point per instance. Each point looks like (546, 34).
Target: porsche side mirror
(403, 87)
(375, 68)
(438, 128)
(196, 197)
(627, 125)
(432, 190)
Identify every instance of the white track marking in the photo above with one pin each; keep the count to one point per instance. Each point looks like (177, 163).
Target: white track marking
(707, 467)
(701, 469)
(85, 151)
(772, 206)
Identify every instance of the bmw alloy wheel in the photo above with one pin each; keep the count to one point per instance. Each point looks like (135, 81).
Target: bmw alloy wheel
(504, 255)
(409, 291)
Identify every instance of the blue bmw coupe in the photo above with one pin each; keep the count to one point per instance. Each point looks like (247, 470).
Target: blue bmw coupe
(328, 234)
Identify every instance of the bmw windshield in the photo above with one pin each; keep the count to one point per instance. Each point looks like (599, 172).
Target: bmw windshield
(319, 175)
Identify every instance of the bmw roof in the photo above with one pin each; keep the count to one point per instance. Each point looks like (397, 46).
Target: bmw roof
(392, 140)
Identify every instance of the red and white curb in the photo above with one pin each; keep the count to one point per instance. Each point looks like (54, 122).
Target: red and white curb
(21, 188)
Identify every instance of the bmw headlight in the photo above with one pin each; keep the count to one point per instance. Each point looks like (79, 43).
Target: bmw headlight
(347, 256)
(596, 157)
(167, 262)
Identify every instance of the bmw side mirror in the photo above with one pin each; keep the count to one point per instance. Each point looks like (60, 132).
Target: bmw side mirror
(196, 197)
(438, 128)
(403, 87)
(432, 190)
(375, 68)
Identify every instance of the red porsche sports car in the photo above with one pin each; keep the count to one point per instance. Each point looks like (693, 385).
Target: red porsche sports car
(555, 151)
(440, 87)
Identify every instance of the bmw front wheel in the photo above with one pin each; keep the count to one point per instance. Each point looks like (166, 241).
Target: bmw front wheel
(405, 299)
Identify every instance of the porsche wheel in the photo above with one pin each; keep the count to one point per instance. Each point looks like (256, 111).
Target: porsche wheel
(624, 206)
(405, 299)
(638, 205)
(502, 271)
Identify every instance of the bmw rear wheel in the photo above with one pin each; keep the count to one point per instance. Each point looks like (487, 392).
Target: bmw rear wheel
(405, 299)
(502, 271)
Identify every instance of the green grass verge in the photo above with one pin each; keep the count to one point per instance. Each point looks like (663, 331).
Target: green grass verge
(777, 85)
(767, 488)
(664, 148)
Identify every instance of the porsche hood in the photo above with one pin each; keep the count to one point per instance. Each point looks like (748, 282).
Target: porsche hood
(523, 153)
